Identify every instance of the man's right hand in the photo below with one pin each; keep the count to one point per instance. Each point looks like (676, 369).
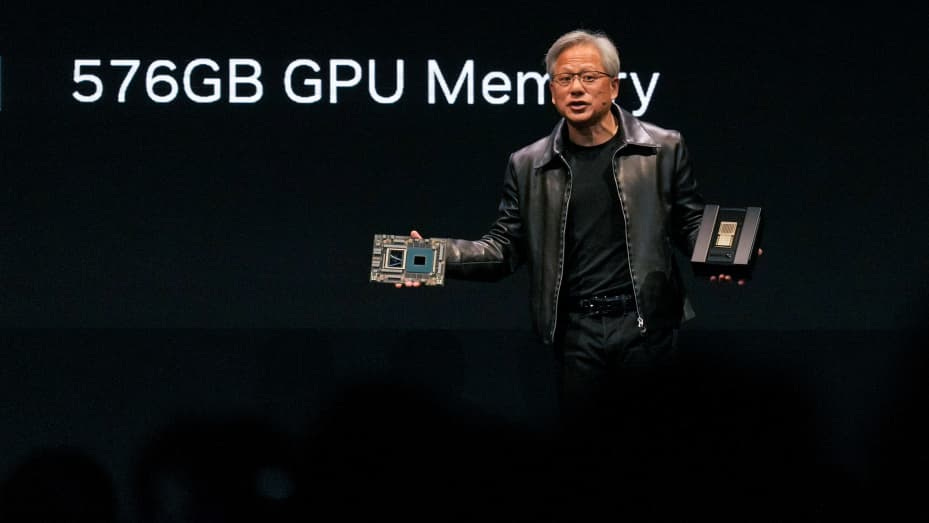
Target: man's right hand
(410, 283)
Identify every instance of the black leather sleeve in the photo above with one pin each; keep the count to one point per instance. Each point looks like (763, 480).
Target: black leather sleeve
(498, 252)
(687, 205)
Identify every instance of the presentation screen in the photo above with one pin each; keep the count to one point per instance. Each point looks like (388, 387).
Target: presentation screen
(198, 167)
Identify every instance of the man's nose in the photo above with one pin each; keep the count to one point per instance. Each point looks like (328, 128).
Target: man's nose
(576, 85)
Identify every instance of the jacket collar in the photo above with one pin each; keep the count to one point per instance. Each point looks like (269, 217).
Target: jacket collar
(632, 133)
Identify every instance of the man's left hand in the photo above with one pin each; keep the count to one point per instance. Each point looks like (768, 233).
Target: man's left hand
(727, 278)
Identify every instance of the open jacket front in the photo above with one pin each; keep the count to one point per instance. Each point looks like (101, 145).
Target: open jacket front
(660, 205)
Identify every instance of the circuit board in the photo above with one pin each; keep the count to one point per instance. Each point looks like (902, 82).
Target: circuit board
(395, 259)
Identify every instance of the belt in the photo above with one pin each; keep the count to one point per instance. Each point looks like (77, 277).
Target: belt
(618, 304)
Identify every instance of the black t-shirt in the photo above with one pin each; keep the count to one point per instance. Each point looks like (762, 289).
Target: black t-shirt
(596, 260)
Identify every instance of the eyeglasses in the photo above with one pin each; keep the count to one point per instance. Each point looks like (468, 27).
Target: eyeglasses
(587, 77)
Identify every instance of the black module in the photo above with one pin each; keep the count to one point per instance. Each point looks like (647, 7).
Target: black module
(727, 241)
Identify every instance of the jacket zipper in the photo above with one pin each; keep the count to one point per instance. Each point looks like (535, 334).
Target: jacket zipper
(640, 321)
(564, 232)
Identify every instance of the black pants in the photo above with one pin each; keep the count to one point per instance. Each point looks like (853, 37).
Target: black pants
(609, 369)
(617, 399)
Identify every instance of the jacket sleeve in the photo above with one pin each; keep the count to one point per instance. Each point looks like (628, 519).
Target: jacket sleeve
(687, 203)
(497, 253)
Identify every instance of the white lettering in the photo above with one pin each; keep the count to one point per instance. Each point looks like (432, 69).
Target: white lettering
(488, 87)
(372, 90)
(253, 79)
(215, 92)
(133, 66)
(87, 77)
(467, 75)
(645, 97)
(152, 79)
(521, 79)
(315, 84)
(335, 83)
(306, 86)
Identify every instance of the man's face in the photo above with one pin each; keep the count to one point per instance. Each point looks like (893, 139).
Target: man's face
(581, 104)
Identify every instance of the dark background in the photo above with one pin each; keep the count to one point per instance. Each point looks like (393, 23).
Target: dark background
(163, 264)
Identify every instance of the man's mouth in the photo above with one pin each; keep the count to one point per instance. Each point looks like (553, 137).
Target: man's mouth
(577, 105)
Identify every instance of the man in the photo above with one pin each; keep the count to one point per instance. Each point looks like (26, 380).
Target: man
(593, 210)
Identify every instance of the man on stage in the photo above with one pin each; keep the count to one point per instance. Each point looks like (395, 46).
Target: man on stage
(595, 210)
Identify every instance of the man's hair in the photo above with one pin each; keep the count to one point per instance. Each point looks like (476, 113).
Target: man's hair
(608, 53)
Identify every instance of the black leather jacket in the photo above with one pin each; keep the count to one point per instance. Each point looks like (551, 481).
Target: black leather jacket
(661, 207)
